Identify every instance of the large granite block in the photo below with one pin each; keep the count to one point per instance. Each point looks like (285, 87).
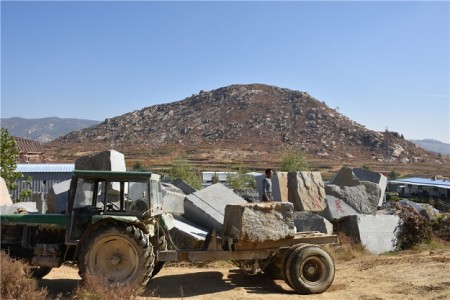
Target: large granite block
(363, 198)
(309, 221)
(378, 233)
(173, 202)
(259, 222)
(374, 177)
(206, 207)
(186, 234)
(306, 191)
(337, 209)
(110, 160)
(57, 197)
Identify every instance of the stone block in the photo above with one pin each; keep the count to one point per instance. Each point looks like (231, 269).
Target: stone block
(306, 191)
(5, 197)
(363, 197)
(309, 221)
(186, 234)
(378, 233)
(337, 209)
(249, 195)
(110, 160)
(57, 197)
(184, 186)
(259, 222)
(19, 207)
(206, 207)
(282, 185)
(41, 202)
(418, 208)
(375, 177)
(173, 202)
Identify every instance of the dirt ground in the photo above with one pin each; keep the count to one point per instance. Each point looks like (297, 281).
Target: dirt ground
(406, 275)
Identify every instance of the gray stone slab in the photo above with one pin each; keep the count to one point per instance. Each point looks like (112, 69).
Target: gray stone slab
(184, 186)
(206, 207)
(5, 197)
(418, 208)
(250, 195)
(306, 191)
(110, 160)
(375, 177)
(337, 209)
(19, 207)
(173, 203)
(186, 234)
(57, 197)
(259, 222)
(363, 197)
(309, 221)
(378, 233)
(41, 202)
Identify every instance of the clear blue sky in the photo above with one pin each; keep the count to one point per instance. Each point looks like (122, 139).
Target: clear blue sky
(384, 64)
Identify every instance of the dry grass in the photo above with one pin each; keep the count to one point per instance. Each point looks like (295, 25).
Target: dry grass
(97, 288)
(16, 281)
(347, 249)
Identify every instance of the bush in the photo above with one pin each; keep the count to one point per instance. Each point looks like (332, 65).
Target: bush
(183, 169)
(17, 282)
(293, 160)
(347, 249)
(241, 180)
(97, 288)
(441, 227)
(414, 228)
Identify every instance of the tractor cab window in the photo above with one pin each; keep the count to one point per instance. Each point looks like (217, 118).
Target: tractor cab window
(84, 193)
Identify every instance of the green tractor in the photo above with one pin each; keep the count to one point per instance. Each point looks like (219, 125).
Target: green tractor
(113, 228)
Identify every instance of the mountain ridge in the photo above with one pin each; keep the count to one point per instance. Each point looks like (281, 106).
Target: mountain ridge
(257, 118)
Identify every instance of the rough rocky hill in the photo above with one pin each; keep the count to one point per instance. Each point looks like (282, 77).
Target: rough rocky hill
(250, 122)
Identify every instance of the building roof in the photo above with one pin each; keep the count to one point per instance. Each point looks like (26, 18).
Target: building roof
(28, 146)
(424, 181)
(45, 168)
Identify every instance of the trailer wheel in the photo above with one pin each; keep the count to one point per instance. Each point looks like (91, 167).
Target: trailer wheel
(38, 272)
(309, 269)
(121, 254)
(283, 265)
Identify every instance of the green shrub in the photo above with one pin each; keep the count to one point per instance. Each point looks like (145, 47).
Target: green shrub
(293, 160)
(241, 180)
(414, 228)
(182, 169)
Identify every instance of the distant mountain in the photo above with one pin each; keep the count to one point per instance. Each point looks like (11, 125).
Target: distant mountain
(433, 146)
(45, 129)
(246, 121)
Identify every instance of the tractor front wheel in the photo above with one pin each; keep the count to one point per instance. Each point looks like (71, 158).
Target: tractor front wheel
(121, 254)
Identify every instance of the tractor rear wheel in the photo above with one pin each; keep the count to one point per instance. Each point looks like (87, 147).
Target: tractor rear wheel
(119, 253)
(309, 269)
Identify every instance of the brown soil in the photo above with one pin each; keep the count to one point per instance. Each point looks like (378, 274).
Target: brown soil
(407, 275)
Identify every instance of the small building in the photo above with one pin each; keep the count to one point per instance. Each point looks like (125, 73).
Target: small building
(421, 187)
(29, 150)
(42, 177)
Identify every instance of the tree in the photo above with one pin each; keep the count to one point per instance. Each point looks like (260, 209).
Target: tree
(293, 160)
(183, 169)
(241, 180)
(394, 175)
(9, 156)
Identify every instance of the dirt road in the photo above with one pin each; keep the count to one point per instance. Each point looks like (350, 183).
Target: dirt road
(409, 275)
